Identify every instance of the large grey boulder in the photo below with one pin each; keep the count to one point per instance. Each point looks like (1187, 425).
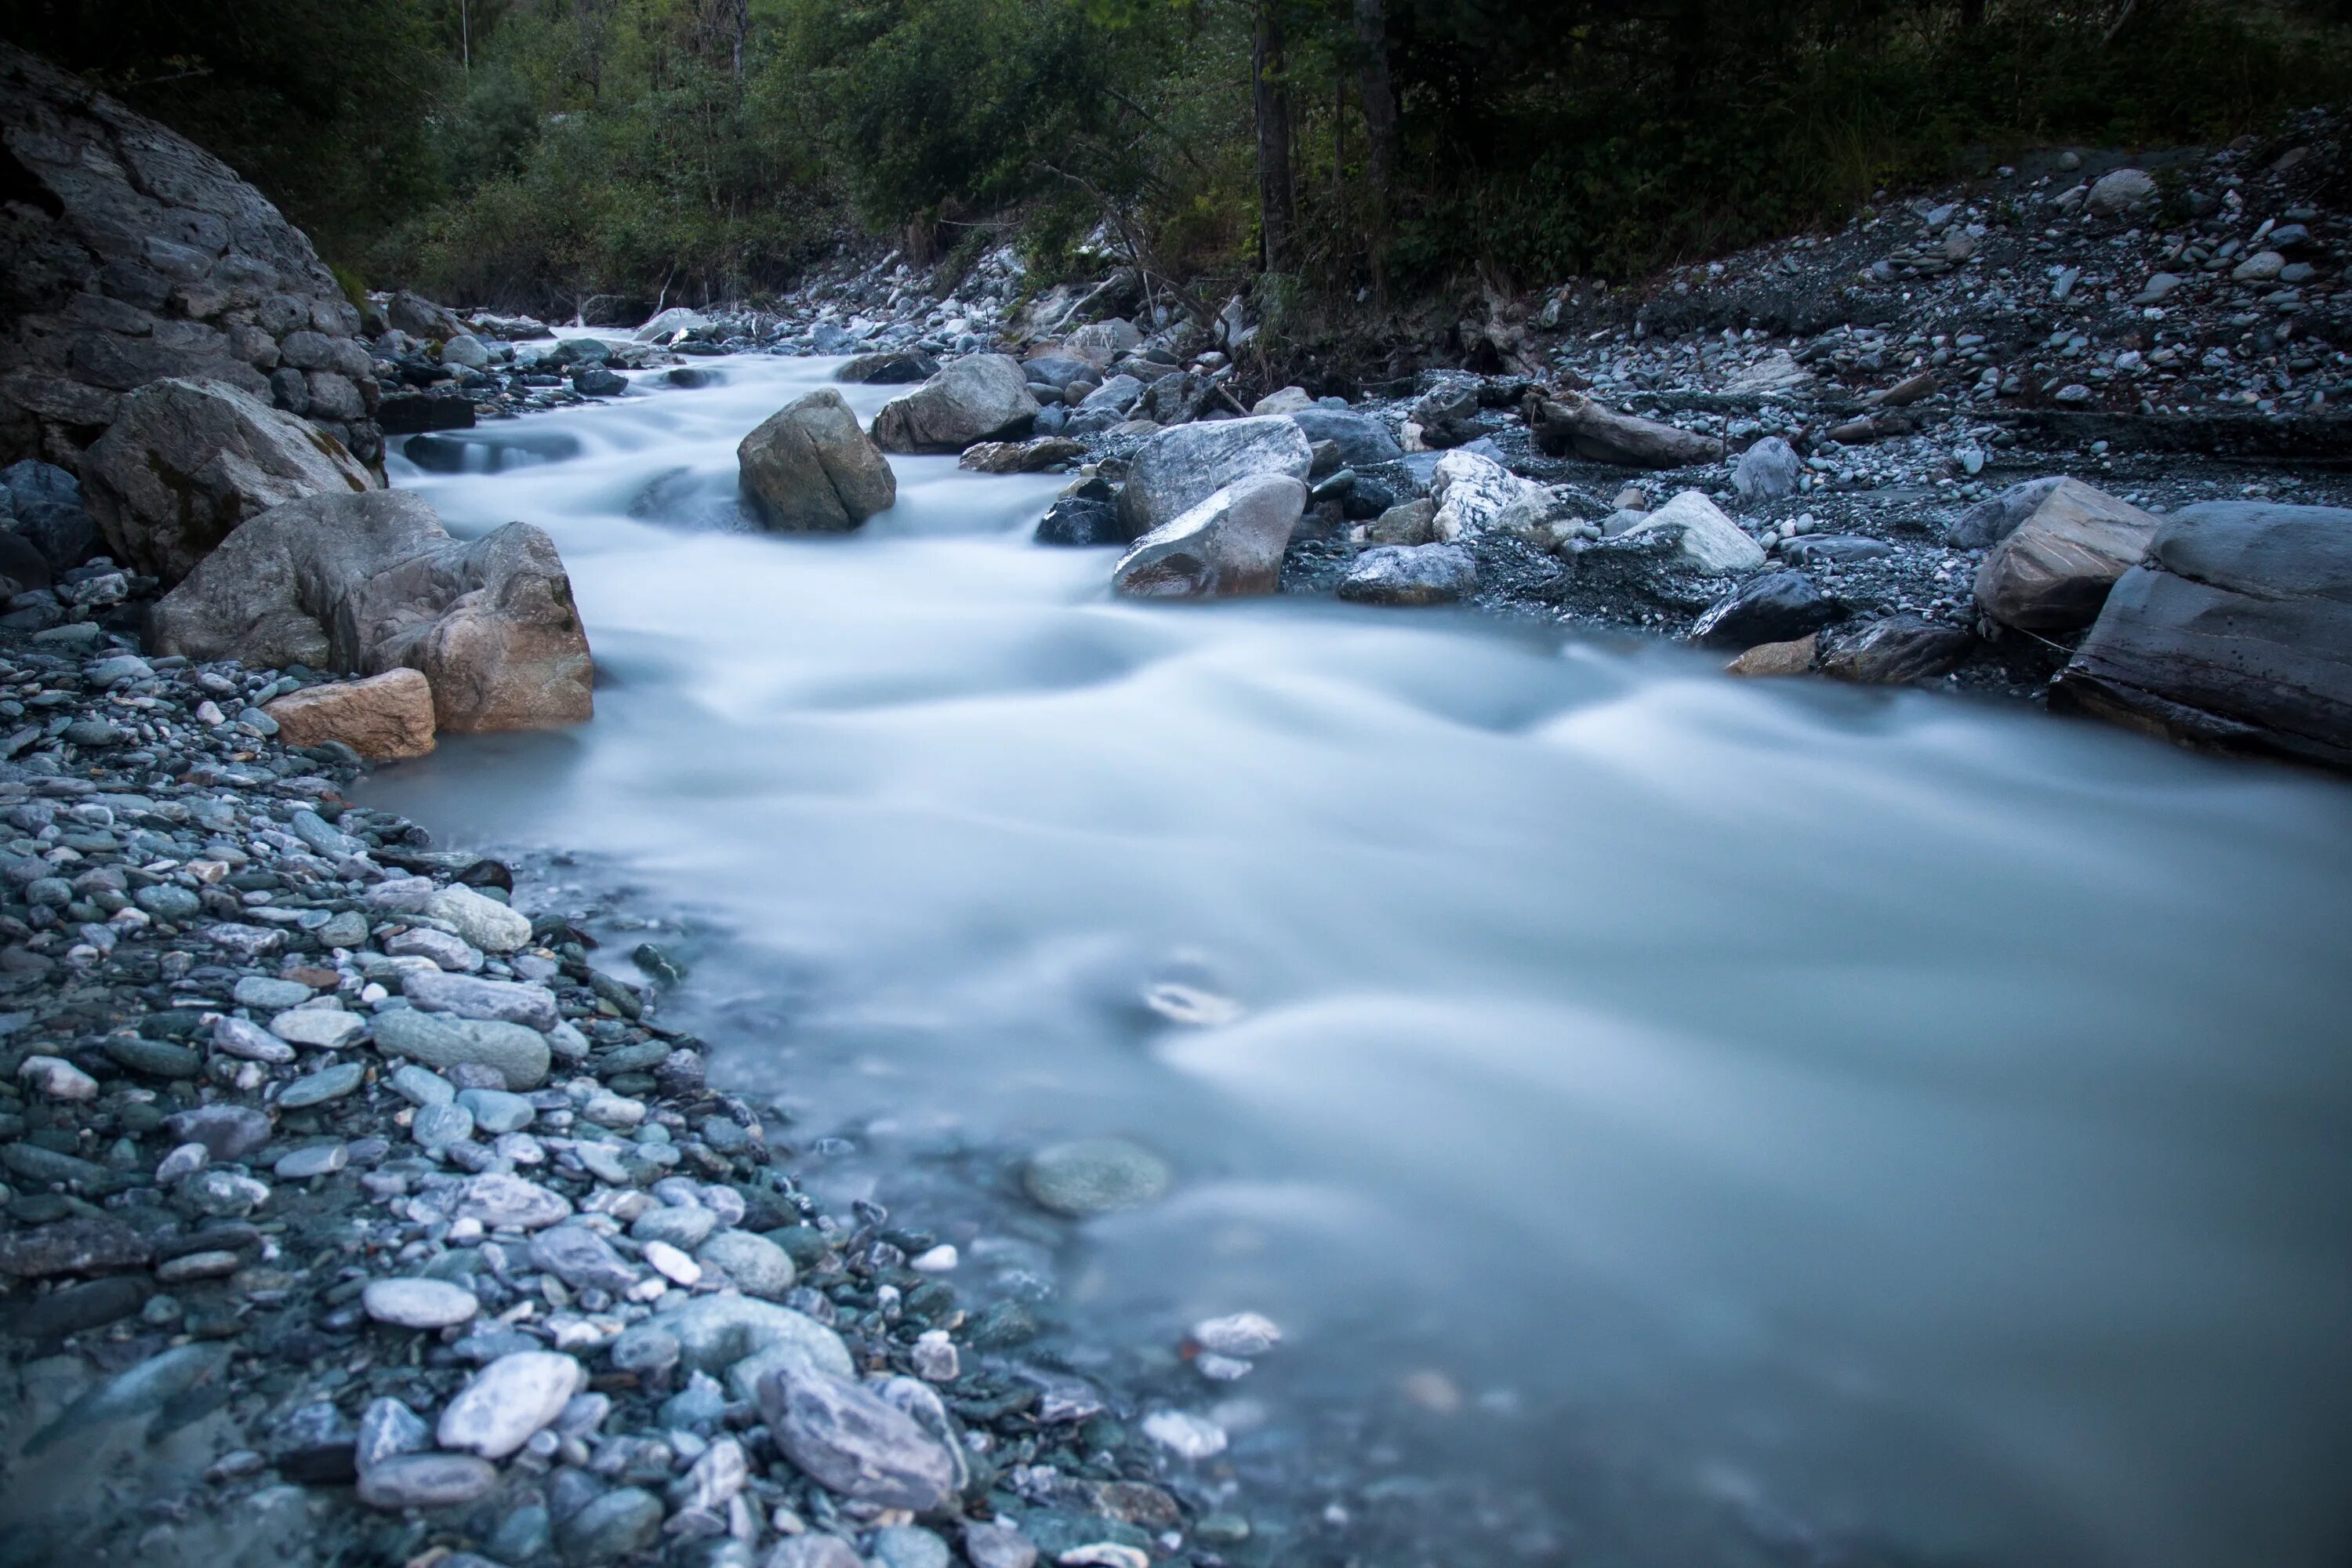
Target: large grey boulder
(1411, 574)
(2053, 571)
(2235, 632)
(981, 397)
(365, 582)
(1229, 545)
(421, 318)
(810, 469)
(1704, 540)
(135, 256)
(1177, 469)
(189, 461)
(1363, 441)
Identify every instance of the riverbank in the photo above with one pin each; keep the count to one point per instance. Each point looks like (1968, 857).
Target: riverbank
(354, 1213)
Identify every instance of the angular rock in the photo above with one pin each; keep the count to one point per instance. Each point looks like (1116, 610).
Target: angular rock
(1570, 422)
(581, 1259)
(508, 1400)
(1175, 470)
(1399, 574)
(368, 582)
(810, 469)
(384, 718)
(851, 1442)
(1230, 544)
(1474, 494)
(2234, 632)
(1778, 607)
(188, 462)
(1897, 650)
(1704, 540)
(1082, 521)
(1022, 457)
(1768, 472)
(981, 397)
(2053, 572)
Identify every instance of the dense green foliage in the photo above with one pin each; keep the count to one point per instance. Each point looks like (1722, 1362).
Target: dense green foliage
(527, 152)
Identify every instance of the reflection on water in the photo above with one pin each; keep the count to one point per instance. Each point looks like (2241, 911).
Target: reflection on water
(1882, 1113)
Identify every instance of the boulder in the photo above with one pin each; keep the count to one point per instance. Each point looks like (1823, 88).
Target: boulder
(1022, 457)
(1898, 651)
(189, 461)
(362, 584)
(1768, 472)
(1705, 541)
(44, 510)
(135, 257)
(1086, 514)
(677, 319)
(1175, 470)
(2234, 632)
(421, 318)
(1289, 399)
(1411, 574)
(384, 718)
(1778, 607)
(2053, 572)
(901, 367)
(810, 469)
(981, 397)
(1414, 522)
(1475, 493)
(1117, 396)
(2124, 190)
(1776, 658)
(1364, 442)
(1568, 423)
(1994, 518)
(1230, 544)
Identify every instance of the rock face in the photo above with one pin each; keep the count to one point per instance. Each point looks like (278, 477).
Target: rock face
(810, 469)
(1570, 422)
(135, 256)
(1229, 545)
(370, 581)
(1706, 540)
(384, 718)
(2235, 632)
(1411, 574)
(981, 397)
(189, 461)
(1176, 470)
(2053, 571)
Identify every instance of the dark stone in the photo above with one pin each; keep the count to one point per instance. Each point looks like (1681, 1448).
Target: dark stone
(414, 413)
(1777, 606)
(597, 382)
(614, 310)
(1897, 650)
(1077, 521)
(1363, 440)
(80, 1246)
(903, 368)
(2235, 632)
(78, 1308)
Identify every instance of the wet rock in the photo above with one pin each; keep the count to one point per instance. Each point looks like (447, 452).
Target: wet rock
(1568, 423)
(1897, 650)
(981, 397)
(79, 1246)
(908, 1546)
(502, 1201)
(1423, 574)
(518, 1055)
(369, 583)
(1082, 521)
(188, 462)
(714, 1332)
(814, 1552)
(1777, 606)
(1776, 658)
(383, 718)
(1230, 544)
(468, 996)
(76, 1309)
(506, 1401)
(140, 1390)
(618, 1525)
(1096, 1176)
(419, 1303)
(853, 1443)
(894, 368)
(1022, 457)
(757, 1266)
(1186, 1436)
(2235, 632)
(1175, 471)
(810, 469)
(2053, 572)
(988, 1545)
(581, 1259)
(387, 1429)
(426, 1480)
(228, 1132)
(1704, 540)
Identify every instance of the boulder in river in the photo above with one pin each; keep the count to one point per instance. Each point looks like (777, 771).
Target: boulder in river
(1411, 574)
(135, 256)
(1033, 457)
(810, 469)
(383, 718)
(2234, 632)
(2053, 571)
(897, 368)
(189, 461)
(1778, 607)
(1704, 540)
(981, 397)
(1897, 650)
(1231, 545)
(1176, 469)
(1568, 423)
(369, 582)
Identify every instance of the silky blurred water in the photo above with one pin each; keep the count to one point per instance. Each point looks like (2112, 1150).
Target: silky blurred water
(1887, 1115)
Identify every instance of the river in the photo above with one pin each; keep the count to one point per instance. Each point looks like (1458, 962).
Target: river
(1742, 1120)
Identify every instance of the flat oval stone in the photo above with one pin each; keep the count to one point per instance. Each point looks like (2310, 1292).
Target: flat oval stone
(496, 1110)
(326, 1084)
(508, 1400)
(419, 1303)
(318, 1160)
(1096, 1176)
(265, 995)
(329, 1028)
(426, 1480)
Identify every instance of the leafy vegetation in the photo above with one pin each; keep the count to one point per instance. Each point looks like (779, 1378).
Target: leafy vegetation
(530, 152)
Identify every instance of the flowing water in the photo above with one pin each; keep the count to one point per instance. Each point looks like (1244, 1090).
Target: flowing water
(1749, 1119)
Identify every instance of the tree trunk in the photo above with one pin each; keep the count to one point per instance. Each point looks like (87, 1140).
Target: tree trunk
(1277, 207)
(1972, 13)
